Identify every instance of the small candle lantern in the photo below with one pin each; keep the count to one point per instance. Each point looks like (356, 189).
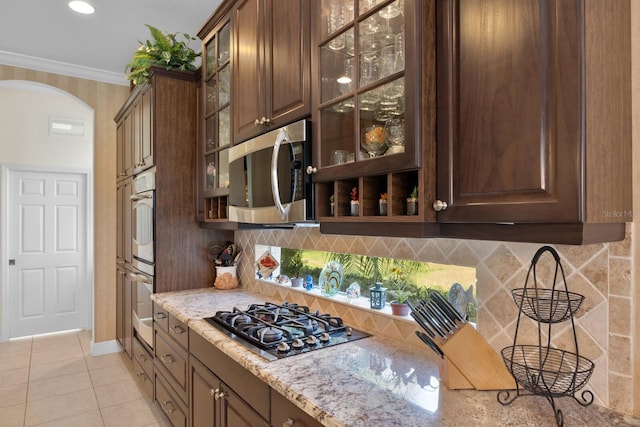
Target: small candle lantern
(377, 296)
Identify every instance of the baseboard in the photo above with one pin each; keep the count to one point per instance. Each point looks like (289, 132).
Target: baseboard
(105, 347)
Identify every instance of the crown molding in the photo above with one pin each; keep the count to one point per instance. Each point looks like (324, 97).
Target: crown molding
(49, 66)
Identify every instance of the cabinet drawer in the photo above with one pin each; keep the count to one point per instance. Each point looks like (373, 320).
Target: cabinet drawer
(247, 386)
(144, 380)
(173, 358)
(144, 359)
(170, 404)
(178, 331)
(161, 317)
(284, 413)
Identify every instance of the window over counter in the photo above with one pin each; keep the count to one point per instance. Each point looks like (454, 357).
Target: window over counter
(352, 279)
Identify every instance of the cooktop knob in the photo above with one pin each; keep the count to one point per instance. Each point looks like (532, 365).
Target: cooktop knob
(324, 337)
(297, 343)
(349, 331)
(283, 347)
(312, 340)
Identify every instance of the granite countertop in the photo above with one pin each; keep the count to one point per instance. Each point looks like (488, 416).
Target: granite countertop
(375, 381)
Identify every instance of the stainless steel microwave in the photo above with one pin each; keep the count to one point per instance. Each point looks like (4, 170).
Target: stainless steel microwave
(268, 179)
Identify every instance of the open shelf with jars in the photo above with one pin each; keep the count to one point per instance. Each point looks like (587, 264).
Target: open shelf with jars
(377, 197)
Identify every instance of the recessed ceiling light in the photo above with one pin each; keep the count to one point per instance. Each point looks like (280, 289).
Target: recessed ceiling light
(81, 7)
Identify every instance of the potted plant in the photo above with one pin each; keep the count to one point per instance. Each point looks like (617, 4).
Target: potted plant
(412, 202)
(295, 265)
(401, 291)
(164, 51)
(382, 204)
(355, 204)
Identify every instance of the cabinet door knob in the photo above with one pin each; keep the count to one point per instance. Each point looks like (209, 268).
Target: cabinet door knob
(287, 423)
(311, 170)
(266, 121)
(256, 122)
(439, 205)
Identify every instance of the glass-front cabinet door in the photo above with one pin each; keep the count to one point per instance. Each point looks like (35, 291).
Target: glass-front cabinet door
(217, 120)
(368, 87)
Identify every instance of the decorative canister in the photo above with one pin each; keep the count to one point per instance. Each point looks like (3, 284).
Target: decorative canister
(226, 277)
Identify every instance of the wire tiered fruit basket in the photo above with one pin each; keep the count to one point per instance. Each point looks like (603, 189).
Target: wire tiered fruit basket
(542, 370)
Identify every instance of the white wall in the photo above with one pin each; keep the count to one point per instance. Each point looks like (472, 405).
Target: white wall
(25, 110)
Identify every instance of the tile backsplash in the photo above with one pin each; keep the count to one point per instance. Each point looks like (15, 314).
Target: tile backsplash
(600, 272)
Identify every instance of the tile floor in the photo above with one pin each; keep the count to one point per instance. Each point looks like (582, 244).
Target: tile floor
(54, 381)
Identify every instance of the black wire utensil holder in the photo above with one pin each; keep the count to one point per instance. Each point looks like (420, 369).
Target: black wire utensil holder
(542, 370)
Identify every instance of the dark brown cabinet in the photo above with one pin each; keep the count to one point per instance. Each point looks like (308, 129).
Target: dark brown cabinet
(143, 131)
(124, 326)
(534, 119)
(271, 65)
(223, 393)
(285, 413)
(374, 115)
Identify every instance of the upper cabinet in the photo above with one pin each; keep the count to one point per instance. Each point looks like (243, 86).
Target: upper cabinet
(271, 65)
(255, 76)
(534, 119)
(374, 114)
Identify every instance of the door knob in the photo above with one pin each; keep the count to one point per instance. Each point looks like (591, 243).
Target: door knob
(439, 205)
(311, 170)
(12, 262)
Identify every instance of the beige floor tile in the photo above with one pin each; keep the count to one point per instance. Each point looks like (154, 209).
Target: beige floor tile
(13, 394)
(57, 355)
(59, 385)
(55, 342)
(109, 375)
(12, 416)
(98, 362)
(20, 345)
(131, 414)
(59, 407)
(15, 376)
(57, 369)
(117, 393)
(87, 419)
(15, 360)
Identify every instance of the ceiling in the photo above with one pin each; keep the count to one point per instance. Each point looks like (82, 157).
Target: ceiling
(46, 35)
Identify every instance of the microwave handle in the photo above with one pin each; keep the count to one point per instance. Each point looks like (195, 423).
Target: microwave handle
(282, 136)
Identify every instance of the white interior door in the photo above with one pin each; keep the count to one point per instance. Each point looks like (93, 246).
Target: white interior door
(48, 283)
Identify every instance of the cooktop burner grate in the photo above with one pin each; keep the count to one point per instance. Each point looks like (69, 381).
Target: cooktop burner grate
(281, 330)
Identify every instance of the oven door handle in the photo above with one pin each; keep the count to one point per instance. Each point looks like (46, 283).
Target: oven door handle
(283, 136)
(140, 278)
(136, 197)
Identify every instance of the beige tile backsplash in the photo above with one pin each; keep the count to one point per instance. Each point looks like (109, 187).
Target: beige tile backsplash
(600, 272)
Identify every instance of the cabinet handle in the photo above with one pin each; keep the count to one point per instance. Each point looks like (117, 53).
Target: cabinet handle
(311, 170)
(257, 122)
(142, 376)
(167, 406)
(439, 205)
(167, 358)
(219, 394)
(213, 392)
(177, 329)
(141, 358)
(287, 423)
(266, 121)
(160, 315)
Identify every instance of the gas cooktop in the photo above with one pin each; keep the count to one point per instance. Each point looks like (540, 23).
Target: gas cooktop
(275, 331)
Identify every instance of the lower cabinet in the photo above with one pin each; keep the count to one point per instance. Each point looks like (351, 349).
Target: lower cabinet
(213, 403)
(222, 392)
(171, 367)
(285, 413)
(143, 368)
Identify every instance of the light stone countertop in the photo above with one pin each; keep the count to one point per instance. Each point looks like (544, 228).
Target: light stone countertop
(373, 382)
